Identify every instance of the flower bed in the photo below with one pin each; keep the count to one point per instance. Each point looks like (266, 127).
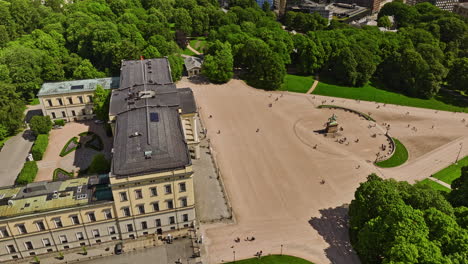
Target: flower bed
(61, 175)
(70, 146)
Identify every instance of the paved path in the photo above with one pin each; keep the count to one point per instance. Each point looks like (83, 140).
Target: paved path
(440, 182)
(14, 153)
(193, 50)
(165, 254)
(313, 87)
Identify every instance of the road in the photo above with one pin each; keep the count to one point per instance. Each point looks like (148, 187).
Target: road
(167, 254)
(14, 153)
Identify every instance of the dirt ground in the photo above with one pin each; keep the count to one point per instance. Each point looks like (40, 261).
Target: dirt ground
(79, 159)
(273, 176)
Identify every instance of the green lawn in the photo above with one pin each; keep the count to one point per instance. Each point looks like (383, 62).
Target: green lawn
(296, 83)
(452, 172)
(370, 93)
(199, 44)
(273, 259)
(34, 101)
(188, 52)
(434, 185)
(399, 157)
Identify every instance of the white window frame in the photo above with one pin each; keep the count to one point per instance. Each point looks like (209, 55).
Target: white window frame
(89, 216)
(131, 226)
(26, 247)
(77, 237)
(96, 231)
(55, 222)
(121, 198)
(109, 230)
(105, 213)
(1, 232)
(155, 191)
(165, 189)
(8, 249)
(37, 225)
(136, 194)
(129, 211)
(139, 209)
(43, 242)
(172, 217)
(61, 241)
(71, 219)
(185, 186)
(19, 229)
(181, 199)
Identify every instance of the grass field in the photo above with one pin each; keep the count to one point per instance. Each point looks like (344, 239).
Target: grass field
(370, 93)
(199, 44)
(273, 259)
(452, 172)
(434, 185)
(399, 157)
(296, 83)
(188, 52)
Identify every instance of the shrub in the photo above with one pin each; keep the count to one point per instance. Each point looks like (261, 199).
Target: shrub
(40, 124)
(40, 146)
(61, 174)
(99, 165)
(28, 173)
(70, 146)
(59, 122)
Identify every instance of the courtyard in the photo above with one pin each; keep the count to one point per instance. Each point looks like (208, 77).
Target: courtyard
(76, 160)
(288, 185)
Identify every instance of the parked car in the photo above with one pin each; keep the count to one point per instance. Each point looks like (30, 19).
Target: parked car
(118, 249)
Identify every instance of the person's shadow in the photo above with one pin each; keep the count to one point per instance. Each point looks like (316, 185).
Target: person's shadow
(333, 227)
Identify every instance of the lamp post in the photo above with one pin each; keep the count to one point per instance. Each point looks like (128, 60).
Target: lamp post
(234, 253)
(281, 250)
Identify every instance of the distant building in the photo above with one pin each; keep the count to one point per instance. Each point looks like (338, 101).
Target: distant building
(461, 9)
(447, 5)
(193, 65)
(260, 2)
(373, 5)
(72, 100)
(345, 12)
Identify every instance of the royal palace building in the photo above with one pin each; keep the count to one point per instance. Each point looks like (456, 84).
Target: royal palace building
(149, 190)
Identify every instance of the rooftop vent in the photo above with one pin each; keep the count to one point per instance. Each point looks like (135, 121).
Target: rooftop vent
(10, 202)
(77, 87)
(2, 195)
(146, 94)
(148, 154)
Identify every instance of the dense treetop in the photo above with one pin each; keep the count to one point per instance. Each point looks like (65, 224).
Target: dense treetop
(395, 222)
(88, 39)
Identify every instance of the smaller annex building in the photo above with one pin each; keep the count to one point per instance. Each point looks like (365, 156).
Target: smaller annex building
(72, 100)
(193, 65)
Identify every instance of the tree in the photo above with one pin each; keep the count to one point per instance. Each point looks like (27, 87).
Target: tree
(183, 20)
(11, 108)
(384, 21)
(40, 125)
(177, 67)
(457, 77)
(99, 165)
(86, 71)
(266, 6)
(101, 102)
(218, 64)
(459, 194)
(344, 66)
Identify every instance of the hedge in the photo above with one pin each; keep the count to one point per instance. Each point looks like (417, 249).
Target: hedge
(62, 171)
(28, 173)
(59, 122)
(66, 150)
(40, 146)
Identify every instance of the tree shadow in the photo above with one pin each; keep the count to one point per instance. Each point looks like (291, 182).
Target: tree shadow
(333, 227)
(28, 135)
(31, 113)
